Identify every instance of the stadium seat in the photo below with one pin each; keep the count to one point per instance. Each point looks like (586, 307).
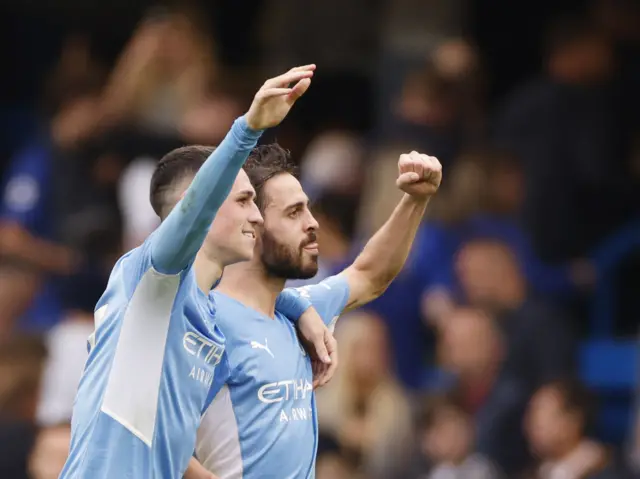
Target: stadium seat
(610, 369)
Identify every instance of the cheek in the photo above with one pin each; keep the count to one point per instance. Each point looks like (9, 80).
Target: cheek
(233, 214)
(223, 225)
(281, 234)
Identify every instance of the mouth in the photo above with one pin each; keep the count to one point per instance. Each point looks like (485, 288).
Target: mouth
(311, 248)
(249, 234)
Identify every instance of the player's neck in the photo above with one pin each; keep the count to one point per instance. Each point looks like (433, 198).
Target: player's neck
(208, 270)
(250, 284)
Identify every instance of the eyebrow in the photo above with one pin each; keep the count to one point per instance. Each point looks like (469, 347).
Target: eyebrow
(246, 194)
(297, 205)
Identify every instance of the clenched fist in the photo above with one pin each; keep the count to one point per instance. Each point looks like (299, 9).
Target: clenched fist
(419, 175)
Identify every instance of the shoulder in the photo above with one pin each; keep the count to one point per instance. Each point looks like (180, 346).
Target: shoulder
(136, 265)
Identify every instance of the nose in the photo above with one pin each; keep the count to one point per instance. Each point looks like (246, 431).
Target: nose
(312, 223)
(255, 217)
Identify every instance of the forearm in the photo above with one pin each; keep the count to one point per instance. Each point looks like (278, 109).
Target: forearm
(180, 236)
(385, 253)
(17, 243)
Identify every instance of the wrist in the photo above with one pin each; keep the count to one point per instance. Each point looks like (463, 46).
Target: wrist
(248, 125)
(416, 201)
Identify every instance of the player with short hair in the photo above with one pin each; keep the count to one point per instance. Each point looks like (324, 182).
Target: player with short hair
(263, 422)
(156, 356)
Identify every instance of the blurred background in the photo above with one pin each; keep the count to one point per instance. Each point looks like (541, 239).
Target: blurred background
(506, 348)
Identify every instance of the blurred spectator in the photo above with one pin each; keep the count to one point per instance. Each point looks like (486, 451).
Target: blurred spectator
(446, 443)
(633, 448)
(471, 347)
(399, 306)
(342, 95)
(634, 455)
(139, 219)
(438, 108)
(332, 163)
(540, 346)
(566, 129)
(364, 408)
(31, 253)
(415, 26)
(330, 463)
(50, 452)
(21, 362)
(167, 80)
(620, 19)
(67, 344)
(557, 424)
(482, 199)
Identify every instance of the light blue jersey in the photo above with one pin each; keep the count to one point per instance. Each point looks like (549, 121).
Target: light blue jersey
(263, 423)
(156, 357)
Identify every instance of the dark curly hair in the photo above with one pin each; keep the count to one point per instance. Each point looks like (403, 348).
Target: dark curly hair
(265, 162)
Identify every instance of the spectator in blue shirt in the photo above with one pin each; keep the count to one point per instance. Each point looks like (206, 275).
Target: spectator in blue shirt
(30, 255)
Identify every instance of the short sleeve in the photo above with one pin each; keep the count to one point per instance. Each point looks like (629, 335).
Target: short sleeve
(292, 304)
(329, 297)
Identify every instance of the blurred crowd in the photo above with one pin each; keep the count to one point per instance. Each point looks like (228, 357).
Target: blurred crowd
(506, 348)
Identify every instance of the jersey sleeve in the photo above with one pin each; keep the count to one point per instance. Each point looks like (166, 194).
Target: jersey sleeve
(292, 303)
(137, 262)
(329, 297)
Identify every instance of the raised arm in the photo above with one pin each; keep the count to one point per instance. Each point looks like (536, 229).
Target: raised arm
(373, 270)
(176, 242)
(384, 255)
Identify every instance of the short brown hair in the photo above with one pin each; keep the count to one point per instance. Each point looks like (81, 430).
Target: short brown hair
(265, 162)
(174, 167)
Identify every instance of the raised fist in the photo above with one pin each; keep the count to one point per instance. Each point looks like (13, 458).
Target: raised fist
(419, 175)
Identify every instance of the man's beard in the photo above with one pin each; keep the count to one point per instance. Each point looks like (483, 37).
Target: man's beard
(285, 262)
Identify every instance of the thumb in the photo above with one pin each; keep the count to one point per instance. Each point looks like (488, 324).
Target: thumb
(407, 178)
